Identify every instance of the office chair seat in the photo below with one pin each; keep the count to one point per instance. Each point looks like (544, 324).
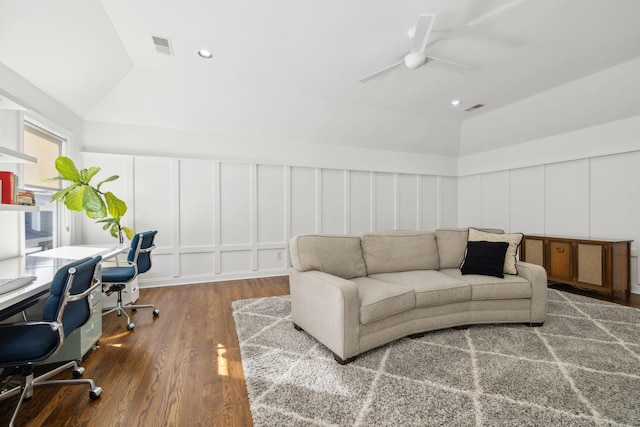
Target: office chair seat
(118, 274)
(23, 345)
(32, 345)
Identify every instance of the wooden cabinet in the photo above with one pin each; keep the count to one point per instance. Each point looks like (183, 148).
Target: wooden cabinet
(599, 265)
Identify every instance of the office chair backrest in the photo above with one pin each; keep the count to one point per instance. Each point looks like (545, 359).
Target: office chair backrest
(72, 279)
(140, 252)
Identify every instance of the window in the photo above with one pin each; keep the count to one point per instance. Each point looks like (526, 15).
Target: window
(42, 229)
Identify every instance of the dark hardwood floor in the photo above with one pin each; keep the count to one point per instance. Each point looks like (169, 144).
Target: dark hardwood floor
(180, 369)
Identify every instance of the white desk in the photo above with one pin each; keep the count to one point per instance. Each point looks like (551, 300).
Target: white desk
(44, 266)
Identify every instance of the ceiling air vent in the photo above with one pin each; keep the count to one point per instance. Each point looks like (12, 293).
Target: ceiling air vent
(475, 107)
(163, 45)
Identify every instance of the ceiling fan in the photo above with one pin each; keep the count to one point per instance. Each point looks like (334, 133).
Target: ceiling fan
(417, 57)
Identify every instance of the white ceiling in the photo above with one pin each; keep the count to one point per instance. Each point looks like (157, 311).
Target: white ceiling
(289, 69)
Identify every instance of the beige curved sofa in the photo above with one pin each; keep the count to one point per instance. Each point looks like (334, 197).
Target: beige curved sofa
(355, 293)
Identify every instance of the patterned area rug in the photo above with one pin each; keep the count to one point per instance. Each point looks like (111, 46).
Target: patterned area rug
(582, 368)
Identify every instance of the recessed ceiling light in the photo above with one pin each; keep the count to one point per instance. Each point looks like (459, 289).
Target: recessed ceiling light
(456, 102)
(203, 53)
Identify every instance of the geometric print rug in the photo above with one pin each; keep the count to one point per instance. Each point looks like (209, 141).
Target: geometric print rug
(581, 368)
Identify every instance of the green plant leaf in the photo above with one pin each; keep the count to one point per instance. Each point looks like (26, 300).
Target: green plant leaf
(68, 169)
(117, 208)
(111, 178)
(91, 201)
(129, 232)
(62, 193)
(73, 199)
(114, 230)
(91, 172)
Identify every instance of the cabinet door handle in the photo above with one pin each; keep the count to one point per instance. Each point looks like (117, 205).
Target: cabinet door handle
(559, 250)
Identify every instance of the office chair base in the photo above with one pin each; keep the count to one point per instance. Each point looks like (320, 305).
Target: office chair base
(25, 389)
(119, 309)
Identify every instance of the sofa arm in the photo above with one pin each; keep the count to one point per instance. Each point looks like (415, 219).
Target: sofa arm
(537, 276)
(328, 308)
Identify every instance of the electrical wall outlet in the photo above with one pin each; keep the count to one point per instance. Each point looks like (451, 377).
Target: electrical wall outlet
(279, 255)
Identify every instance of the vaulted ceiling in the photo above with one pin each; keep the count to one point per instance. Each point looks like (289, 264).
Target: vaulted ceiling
(290, 69)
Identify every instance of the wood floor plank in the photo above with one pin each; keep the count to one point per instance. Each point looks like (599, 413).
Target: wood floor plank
(180, 369)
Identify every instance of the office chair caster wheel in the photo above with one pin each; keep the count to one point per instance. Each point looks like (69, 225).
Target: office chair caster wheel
(156, 313)
(130, 326)
(77, 373)
(95, 393)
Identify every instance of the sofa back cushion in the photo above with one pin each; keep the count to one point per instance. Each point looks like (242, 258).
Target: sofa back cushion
(337, 255)
(391, 251)
(452, 244)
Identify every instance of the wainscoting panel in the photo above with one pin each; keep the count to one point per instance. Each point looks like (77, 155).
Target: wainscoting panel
(155, 203)
(235, 261)
(332, 201)
(235, 203)
(228, 220)
(470, 201)
(567, 198)
(197, 264)
(197, 215)
(614, 196)
(408, 198)
(384, 201)
(430, 201)
(271, 259)
(360, 197)
(447, 205)
(526, 200)
(271, 204)
(495, 188)
(303, 201)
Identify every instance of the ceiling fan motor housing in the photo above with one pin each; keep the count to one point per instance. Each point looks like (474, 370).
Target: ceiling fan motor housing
(415, 60)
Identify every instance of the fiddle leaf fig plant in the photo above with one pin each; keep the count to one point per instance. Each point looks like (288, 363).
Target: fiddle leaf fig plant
(81, 195)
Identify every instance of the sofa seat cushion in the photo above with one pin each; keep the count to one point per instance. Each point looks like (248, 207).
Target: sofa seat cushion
(488, 287)
(380, 299)
(431, 287)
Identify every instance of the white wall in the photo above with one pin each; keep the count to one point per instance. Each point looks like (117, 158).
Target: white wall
(225, 220)
(116, 138)
(598, 197)
(48, 112)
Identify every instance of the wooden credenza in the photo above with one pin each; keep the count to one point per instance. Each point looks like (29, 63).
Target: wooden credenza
(599, 265)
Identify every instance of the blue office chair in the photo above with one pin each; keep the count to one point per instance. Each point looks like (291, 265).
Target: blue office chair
(23, 345)
(115, 279)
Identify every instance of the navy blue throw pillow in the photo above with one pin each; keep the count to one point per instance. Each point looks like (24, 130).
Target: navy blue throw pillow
(485, 258)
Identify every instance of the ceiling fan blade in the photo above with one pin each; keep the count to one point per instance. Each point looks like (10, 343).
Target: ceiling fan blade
(493, 12)
(380, 72)
(449, 65)
(423, 29)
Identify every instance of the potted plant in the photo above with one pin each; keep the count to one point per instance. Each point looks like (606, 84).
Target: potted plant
(82, 195)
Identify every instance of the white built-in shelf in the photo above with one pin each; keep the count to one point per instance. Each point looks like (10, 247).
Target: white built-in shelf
(18, 208)
(12, 156)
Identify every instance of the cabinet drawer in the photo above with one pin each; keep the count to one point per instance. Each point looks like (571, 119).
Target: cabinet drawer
(560, 256)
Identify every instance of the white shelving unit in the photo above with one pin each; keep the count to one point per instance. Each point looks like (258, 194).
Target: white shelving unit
(12, 156)
(18, 208)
